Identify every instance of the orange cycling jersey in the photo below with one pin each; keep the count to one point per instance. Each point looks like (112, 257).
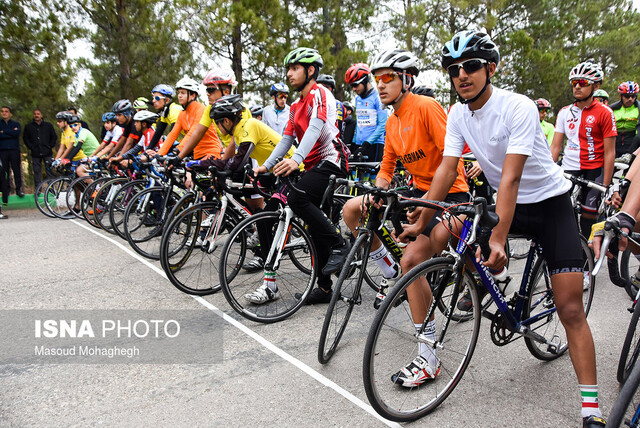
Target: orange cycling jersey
(187, 121)
(415, 135)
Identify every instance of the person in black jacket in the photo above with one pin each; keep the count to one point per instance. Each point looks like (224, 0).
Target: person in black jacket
(40, 138)
(348, 126)
(9, 153)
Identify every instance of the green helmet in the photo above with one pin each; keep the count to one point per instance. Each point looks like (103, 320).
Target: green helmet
(305, 56)
(601, 93)
(141, 103)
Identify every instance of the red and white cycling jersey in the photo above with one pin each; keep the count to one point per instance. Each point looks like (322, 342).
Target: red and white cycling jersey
(319, 103)
(146, 138)
(585, 130)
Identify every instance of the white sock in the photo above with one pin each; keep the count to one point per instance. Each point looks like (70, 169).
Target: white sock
(270, 280)
(590, 406)
(426, 351)
(384, 261)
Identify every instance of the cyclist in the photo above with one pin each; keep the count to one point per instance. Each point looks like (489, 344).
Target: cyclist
(311, 124)
(277, 114)
(143, 122)
(209, 144)
(415, 135)
(370, 112)
(124, 116)
(256, 111)
(627, 114)
(330, 83)
(602, 96)
(502, 129)
(86, 145)
(590, 130)
(543, 108)
(67, 136)
(162, 100)
(112, 134)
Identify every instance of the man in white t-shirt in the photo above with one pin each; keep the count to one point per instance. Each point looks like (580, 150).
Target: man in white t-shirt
(503, 130)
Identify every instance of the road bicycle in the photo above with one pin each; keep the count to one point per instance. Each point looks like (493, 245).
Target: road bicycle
(393, 339)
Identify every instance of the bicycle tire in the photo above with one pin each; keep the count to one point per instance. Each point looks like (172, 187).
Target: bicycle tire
(74, 198)
(119, 204)
(291, 280)
(631, 341)
(392, 343)
(193, 269)
(39, 196)
(56, 198)
(346, 294)
(103, 200)
(86, 200)
(540, 297)
(629, 265)
(628, 396)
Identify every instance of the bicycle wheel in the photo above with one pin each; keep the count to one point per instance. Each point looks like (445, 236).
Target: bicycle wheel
(540, 302)
(77, 187)
(145, 217)
(630, 347)
(191, 247)
(86, 200)
(629, 266)
(518, 247)
(393, 343)
(39, 195)
(626, 409)
(346, 294)
(290, 280)
(55, 197)
(103, 200)
(119, 202)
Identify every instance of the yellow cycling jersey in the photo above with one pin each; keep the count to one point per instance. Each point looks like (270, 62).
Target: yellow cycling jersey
(207, 121)
(68, 139)
(172, 116)
(261, 135)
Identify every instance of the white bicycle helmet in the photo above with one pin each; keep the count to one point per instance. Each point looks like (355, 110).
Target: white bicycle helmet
(189, 84)
(397, 59)
(587, 70)
(146, 116)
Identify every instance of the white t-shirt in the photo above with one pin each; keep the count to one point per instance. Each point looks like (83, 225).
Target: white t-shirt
(507, 124)
(117, 133)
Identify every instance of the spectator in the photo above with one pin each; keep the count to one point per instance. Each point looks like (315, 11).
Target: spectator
(84, 124)
(40, 138)
(348, 125)
(10, 154)
(2, 216)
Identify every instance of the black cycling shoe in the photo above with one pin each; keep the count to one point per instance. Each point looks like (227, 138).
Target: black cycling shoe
(593, 422)
(337, 258)
(465, 304)
(317, 295)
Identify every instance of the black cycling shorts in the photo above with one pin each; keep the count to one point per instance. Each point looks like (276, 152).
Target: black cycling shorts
(553, 224)
(589, 198)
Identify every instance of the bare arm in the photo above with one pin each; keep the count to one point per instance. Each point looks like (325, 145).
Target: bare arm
(556, 145)
(609, 158)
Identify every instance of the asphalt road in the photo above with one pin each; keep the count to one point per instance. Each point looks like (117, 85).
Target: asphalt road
(269, 375)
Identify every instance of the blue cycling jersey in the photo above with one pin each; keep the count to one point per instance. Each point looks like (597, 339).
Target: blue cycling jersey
(371, 117)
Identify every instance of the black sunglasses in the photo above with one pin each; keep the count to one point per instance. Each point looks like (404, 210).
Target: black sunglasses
(212, 90)
(469, 66)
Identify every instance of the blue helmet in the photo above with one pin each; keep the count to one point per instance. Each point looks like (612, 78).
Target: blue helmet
(109, 117)
(469, 44)
(278, 87)
(164, 90)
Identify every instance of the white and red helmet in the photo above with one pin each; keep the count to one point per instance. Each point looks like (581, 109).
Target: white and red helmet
(587, 70)
(543, 104)
(629, 87)
(220, 76)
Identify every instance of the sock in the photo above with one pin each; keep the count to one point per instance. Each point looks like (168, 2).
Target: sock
(590, 405)
(270, 280)
(426, 351)
(384, 261)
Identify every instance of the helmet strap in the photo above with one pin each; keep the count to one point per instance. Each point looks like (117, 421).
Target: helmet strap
(404, 88)
(578, 100)
(484, 88)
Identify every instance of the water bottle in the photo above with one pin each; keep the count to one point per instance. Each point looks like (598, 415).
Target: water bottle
(503, 280)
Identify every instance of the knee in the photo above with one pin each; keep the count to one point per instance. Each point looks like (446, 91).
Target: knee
(352, 210)
(410, 260)
(571, 313)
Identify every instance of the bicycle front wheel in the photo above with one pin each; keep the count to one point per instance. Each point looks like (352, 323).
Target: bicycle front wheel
(39, 195)
(629, 266)
(393, 342)
(346, 294)
(630, 347)
(626, 409)
(254, 237)
(55, 197)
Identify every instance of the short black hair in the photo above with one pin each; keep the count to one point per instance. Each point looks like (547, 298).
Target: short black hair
(75, 110)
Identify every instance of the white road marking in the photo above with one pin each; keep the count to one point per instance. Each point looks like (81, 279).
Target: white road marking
(255, 336)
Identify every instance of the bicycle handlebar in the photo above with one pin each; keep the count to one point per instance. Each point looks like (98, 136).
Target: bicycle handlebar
(592, 184)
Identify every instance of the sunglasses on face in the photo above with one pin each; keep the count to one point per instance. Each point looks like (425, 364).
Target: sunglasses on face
(282, 96)
(384, 78)
(157, 98)
(629, 96)
(355, 85)
(469, 66)
(583, 83)
(73, 125)
(212, 89)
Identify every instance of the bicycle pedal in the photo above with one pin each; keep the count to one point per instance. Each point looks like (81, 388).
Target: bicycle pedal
(554, 345)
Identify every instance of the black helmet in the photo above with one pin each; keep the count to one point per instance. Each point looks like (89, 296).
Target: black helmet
(469, 44)
(73, 118)
(122, 106)
(230, 106)
(327, 80)
(63, 115)
(423, 90)
(256, 110)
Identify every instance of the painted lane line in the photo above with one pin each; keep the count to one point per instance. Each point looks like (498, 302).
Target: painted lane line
(252, 334)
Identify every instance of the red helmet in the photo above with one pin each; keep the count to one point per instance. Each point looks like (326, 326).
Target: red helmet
(629, 87)
(220, 76)
(542, 104)
(357, 73)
